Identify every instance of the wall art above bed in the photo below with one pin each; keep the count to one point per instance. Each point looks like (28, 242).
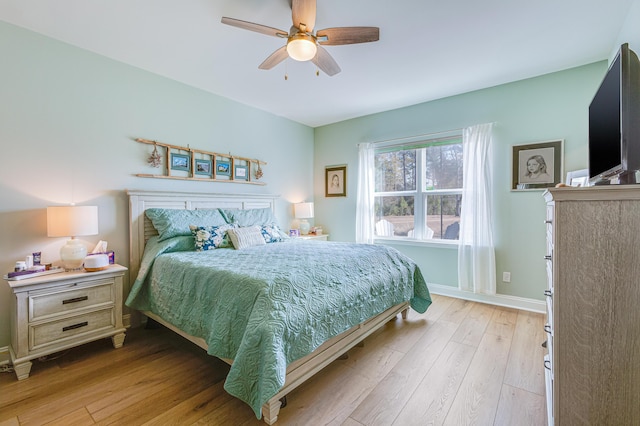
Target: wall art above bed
(186, 163)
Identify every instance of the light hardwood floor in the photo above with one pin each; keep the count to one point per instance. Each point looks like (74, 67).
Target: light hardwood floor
(460, 363)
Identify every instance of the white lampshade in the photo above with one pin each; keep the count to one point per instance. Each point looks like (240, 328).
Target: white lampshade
(302, 47)
(303, 211)
(72, 221)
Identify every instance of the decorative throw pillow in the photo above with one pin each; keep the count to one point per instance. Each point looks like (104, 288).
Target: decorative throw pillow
(249, 217)
(211, 237)
(246, 237)
(272, 234)
(174, 222)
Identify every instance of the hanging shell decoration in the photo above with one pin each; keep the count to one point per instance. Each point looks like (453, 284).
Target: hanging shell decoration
(258, 173)
(155, 159)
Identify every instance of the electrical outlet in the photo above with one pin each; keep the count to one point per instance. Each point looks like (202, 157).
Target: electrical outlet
(506, 277)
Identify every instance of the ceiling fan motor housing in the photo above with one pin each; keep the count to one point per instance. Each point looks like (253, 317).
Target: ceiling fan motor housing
(301, 46)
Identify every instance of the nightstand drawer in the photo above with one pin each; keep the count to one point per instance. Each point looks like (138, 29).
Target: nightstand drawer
(47, 305)
(56, 332)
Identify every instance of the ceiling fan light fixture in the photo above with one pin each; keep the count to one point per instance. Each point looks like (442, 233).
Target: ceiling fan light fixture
(302, 47)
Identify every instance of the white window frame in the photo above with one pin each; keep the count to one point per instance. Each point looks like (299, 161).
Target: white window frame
(420, 194)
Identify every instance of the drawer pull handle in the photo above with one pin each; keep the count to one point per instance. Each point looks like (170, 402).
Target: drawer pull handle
(547, 328)
(74, 326)
(75, 300)
(548, 293)
(547, 364)
(547, 257)
(548, 222)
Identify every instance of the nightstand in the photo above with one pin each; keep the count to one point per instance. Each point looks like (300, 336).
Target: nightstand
(55, 312)
(321, 237)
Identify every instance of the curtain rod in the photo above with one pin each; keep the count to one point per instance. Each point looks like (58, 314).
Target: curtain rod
(399, 141)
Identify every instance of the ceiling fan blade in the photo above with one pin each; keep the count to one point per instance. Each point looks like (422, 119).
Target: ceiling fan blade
(304, 12)
(348, 35)
(263, 29)
(325, 62)
(275, 58)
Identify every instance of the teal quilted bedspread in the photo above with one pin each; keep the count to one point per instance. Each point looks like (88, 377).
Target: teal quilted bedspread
(267, 306)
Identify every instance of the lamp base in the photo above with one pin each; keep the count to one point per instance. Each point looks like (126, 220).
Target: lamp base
(304, 227)
(72, 255)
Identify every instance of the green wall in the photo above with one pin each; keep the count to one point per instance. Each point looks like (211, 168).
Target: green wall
(550, 107)
(67, 122)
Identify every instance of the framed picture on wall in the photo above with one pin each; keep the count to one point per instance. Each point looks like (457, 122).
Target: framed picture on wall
(203, 167)
(536, 165)
(241, 173)
(335, 178)
(223, 168)
(180, 162)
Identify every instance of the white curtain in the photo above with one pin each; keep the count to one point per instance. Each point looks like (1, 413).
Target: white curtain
(364, 207)
(476, 253)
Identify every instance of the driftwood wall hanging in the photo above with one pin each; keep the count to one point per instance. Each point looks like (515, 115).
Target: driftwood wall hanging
(186, 163)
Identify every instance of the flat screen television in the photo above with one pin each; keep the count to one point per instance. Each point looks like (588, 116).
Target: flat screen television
(614, 122)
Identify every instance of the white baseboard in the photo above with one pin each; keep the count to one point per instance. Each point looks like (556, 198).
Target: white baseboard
(4, 355)
(515, 302)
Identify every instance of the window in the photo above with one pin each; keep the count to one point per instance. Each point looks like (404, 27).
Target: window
(418, 190)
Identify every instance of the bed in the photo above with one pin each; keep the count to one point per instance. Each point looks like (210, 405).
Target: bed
(277, 312)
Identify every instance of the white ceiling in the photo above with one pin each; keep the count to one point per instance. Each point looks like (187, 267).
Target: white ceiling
(428, 49)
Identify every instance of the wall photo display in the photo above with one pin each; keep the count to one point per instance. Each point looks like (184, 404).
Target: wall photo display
(537, 165)
(335, 178)
(180, 162)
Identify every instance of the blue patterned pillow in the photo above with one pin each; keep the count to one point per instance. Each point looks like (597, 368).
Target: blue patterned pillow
(272, 234)
(211, 237)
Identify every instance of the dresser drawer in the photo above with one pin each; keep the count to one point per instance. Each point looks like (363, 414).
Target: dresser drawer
(93, 295)
(65, 329)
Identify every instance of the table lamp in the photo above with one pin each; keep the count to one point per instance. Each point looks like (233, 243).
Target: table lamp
(72, 221)
(304, 211)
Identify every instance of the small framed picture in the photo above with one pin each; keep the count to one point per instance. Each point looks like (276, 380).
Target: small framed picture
(240, 173)
(578, 178)
(335, 179)
(223, 168)
(203, 167)
(180, 162)
(294, 232)
(536, 165)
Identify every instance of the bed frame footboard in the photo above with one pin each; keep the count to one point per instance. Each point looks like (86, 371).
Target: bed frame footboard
(301, 370)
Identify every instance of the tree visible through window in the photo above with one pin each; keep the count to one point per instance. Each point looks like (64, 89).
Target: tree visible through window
(418, 190)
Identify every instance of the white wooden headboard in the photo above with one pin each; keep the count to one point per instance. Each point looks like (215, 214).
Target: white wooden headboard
(141, 229)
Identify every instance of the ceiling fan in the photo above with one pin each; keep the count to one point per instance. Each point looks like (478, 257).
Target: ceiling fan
(305, 45)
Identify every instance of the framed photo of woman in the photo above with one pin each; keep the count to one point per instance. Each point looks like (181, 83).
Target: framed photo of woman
(537, 165)
(335, 178)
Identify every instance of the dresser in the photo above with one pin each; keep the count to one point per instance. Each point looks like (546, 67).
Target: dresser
(592, 367)
(55, 312)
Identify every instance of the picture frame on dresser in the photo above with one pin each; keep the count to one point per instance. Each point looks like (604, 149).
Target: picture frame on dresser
(578, 178)
(537, 166)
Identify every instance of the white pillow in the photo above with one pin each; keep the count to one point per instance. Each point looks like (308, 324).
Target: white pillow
(246, 237)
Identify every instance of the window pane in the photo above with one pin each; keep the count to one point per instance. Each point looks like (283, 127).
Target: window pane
(396, 171)
(443, 216)
(394, 216)
(444, 167)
